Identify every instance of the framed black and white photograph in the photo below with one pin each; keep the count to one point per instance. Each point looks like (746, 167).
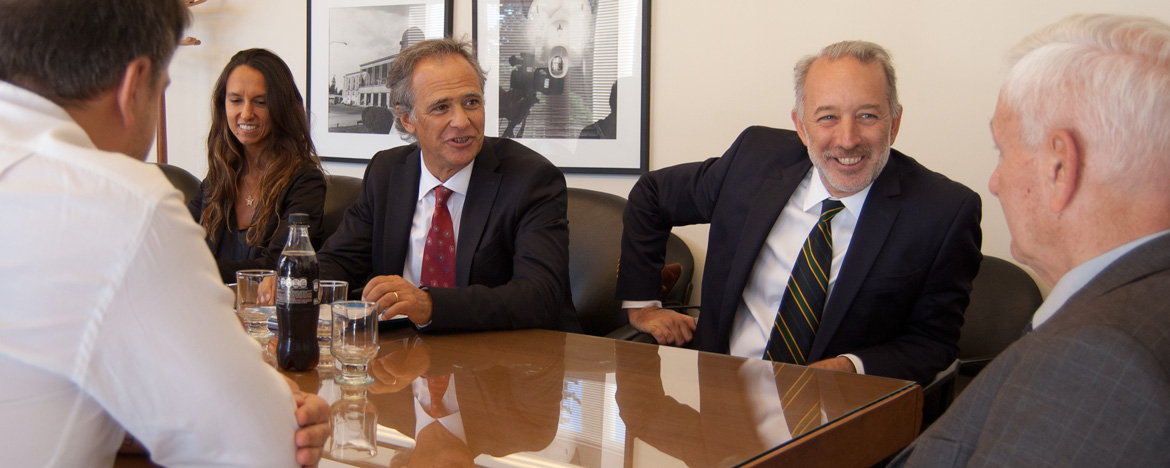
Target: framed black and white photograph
(351, 46)
(569, 79)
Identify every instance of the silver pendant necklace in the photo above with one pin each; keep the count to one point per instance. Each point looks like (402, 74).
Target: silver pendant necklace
(250, 201)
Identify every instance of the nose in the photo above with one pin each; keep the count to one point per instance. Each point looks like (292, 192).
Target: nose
(848, 135)
(246, 111)
(459, 117)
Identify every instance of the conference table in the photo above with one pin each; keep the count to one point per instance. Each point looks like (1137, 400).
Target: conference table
(545, 398)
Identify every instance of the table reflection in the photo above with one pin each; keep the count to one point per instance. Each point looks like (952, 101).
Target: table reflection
(458, 403)
(554, 399)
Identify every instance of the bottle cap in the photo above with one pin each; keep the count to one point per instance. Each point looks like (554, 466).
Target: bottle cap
(298, 218)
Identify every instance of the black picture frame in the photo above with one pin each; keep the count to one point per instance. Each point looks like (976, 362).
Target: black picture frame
(552, 66)
(350, 46)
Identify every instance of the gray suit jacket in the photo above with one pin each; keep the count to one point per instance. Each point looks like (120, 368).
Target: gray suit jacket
(1090, 387)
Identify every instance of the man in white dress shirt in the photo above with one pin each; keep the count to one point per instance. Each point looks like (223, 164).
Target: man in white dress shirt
(114, 318)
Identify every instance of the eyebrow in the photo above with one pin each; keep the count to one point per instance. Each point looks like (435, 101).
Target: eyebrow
(861, 108)
(445, 100)
(432, 104)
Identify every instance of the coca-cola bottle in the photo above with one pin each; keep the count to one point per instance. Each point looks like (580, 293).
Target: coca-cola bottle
(296, 299)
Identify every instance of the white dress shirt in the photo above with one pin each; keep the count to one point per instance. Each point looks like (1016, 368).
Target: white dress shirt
(424, 210)
(769, 278)
(114, 315)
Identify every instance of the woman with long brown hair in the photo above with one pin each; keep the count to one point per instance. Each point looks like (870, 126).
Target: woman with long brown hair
(262, 165)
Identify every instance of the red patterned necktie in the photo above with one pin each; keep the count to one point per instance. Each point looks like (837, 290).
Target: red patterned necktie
(438, 265)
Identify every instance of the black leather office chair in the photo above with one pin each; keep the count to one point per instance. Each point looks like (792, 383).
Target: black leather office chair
(340, 192)
(1003, 299)
(595, 231)
(182, 180)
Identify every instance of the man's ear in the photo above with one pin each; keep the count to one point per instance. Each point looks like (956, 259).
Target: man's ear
(800, 130)
(405, 118)
(1063, 167)
(132, 89)
(895, 125)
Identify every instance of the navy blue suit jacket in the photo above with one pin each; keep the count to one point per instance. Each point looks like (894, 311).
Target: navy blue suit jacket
(899, 299)
(512, 256)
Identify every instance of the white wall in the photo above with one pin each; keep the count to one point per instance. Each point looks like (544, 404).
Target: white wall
(718, 69)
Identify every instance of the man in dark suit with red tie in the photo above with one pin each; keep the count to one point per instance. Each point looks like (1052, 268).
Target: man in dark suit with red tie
(885, 296)
(457, 232)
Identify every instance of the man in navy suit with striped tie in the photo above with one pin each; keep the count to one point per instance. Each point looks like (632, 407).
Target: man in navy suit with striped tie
(881, 284)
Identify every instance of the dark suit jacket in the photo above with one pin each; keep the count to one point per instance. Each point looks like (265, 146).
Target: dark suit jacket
(1089, 387)
(304, 194)
(899, 299)
(512, 257)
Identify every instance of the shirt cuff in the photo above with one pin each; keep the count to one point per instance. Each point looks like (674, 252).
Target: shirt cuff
(640, 304)
(856, 363)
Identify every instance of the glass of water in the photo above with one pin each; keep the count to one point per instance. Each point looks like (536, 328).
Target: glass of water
(355, 340)
(328, 292)
(255, 302)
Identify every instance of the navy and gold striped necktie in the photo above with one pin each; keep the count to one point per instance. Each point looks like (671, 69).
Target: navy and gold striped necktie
(804, 300)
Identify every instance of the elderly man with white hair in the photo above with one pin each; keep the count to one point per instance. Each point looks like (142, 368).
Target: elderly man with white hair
(1081, 126)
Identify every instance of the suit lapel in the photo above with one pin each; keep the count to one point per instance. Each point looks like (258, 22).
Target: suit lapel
(481, 196)
(777, 186)
(401, 200)
(877, 217)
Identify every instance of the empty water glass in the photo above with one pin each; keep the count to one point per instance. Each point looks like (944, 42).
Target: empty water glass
(255, 301)
(329, 291)
(355, 339)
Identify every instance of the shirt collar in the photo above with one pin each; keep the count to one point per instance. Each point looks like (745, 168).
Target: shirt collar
(457, 183)
(817, 192)
(1078, 277)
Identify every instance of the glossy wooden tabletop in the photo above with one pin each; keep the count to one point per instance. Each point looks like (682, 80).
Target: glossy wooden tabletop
(555, 399)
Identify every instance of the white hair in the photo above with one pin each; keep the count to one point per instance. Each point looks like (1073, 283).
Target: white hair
(1105, 78)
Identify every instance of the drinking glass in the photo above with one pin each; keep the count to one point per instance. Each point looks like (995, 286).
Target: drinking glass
(355, 426)
(328, 292)
(255, 302)
(355, 339)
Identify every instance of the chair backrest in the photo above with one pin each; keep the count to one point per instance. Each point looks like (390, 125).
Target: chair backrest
(340, 192)
(182, 180)
(1003, 299)
(595, 221)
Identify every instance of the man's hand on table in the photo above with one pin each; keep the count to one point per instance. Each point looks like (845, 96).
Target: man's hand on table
(396, 296)
(666, 326)
(312, 416)
(839, 364)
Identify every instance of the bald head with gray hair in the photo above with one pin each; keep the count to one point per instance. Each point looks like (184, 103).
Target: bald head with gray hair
(862, 51)
(1105, 78)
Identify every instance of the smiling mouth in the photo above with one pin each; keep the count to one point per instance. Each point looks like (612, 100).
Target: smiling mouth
(460, 140)
(849, 161)
(247, 127)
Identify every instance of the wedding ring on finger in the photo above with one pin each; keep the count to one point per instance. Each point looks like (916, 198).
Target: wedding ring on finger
(396, 299)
